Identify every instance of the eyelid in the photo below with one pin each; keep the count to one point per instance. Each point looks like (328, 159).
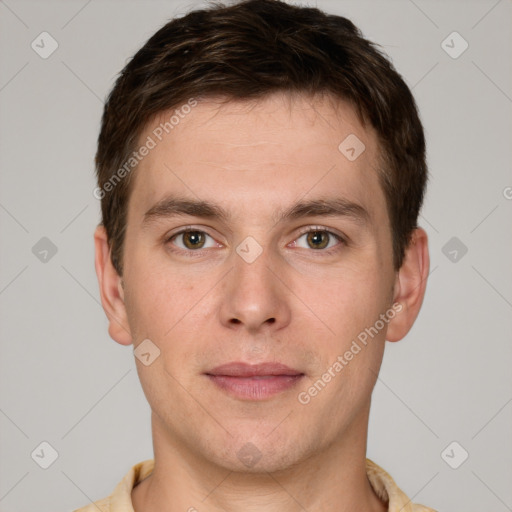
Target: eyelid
(325, 229)
(342, 241)
(306, 230)
(186, 229)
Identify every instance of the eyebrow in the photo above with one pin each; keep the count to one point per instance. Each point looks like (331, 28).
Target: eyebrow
(173, 206)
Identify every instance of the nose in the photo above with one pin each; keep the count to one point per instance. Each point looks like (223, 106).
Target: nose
(254, 298)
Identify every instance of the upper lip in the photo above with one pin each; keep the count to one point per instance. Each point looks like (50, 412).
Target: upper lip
(239, 369)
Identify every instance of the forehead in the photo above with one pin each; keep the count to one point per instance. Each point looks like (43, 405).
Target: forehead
(259, 154)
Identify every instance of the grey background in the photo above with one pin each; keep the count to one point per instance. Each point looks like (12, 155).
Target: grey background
(64, 381)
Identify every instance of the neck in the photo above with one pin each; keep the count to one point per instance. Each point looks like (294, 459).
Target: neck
(332, 479)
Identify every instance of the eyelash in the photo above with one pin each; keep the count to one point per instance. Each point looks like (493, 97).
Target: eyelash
(315, 229)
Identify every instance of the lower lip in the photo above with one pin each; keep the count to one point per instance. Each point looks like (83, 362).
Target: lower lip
(255, 388)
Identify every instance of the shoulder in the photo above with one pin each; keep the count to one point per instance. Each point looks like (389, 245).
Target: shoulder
(120, 500)
(389, 492)
(98, 506)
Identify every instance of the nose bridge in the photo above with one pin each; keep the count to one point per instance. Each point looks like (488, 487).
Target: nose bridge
(254, 296)
(252, 270)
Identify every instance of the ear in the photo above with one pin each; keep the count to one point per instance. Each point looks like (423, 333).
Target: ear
(410, 285)
(111, 289)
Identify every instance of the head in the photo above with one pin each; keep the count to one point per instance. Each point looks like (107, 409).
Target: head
(249, 125)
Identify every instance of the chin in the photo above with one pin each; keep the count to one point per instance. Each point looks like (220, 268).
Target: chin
(260, 453)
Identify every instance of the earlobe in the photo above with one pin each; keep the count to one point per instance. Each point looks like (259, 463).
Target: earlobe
(111, 289)
(411, 282)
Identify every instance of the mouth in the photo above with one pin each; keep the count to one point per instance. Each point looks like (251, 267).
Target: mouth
(254, 382)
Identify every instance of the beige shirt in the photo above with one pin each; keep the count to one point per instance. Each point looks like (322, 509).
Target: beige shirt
(384, 486)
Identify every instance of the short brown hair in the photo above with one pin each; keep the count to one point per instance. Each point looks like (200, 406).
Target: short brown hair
(247, 51)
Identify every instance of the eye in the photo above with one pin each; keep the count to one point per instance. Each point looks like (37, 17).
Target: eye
(319, 239)
(192, 239)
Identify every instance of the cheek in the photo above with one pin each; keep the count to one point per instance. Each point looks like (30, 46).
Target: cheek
(151, 306)
(352, 347)
(171, 310)
(346, 301)
(164, 309)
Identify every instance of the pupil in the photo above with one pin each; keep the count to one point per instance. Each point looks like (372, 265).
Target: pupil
(192, 238)
(315, 237)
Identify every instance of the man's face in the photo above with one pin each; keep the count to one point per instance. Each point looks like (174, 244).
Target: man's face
(255, 287)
